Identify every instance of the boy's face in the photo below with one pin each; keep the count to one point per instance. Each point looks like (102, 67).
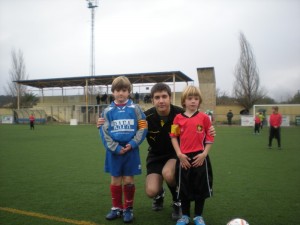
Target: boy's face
(192, 103)
(121, 95)
(162, 102)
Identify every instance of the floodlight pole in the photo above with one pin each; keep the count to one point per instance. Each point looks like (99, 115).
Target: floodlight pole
(92, 4)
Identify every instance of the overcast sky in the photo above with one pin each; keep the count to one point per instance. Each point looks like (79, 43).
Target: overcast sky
(133, 36)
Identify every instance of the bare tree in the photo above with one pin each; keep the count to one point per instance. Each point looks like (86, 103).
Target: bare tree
(223, 98)
(295, 99)
(17, 72)
(246, 88)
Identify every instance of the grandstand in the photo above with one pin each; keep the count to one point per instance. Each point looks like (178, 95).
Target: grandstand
(83, 107)
(76, 98)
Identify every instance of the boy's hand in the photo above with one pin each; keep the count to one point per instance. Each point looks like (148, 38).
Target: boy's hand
(198, 160)
(122, 152)
(125, 149)
(184, 161)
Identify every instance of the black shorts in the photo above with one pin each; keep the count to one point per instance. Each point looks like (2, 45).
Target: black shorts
(195, 183)
(275, 133)
(155, 163)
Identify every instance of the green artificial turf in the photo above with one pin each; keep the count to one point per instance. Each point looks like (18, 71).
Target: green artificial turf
(56, 171)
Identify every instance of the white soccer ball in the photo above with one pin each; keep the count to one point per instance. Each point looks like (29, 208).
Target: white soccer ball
(237, 221)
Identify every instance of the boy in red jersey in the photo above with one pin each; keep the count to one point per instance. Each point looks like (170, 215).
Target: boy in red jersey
(257, 123)
(275, 123)
(31, 121)
(193, 164)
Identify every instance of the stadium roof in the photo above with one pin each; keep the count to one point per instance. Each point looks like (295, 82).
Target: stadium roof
(135, 78)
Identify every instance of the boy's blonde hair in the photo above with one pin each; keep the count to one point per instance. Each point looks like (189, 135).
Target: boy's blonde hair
(190, 91)
(121, 82)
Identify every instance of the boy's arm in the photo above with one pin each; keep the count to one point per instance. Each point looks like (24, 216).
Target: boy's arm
(142, 128)
(176, 146)
(108, 142)
(199, 159)
(184, 159)
(280, 120)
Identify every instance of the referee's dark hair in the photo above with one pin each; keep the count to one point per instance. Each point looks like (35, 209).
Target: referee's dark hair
(159, 87)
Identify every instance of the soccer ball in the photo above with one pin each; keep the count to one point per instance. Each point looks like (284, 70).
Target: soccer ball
(237, 221)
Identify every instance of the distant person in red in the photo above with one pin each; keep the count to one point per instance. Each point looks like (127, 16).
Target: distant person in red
(257, 124)
(275, 123)
(31, 120)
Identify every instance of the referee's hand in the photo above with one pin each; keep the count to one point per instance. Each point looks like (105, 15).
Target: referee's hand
(100, 122)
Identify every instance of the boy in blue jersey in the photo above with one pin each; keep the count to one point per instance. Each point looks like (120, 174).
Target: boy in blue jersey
(124, 129)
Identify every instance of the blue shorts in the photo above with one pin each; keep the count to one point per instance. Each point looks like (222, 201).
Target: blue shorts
(128, 164)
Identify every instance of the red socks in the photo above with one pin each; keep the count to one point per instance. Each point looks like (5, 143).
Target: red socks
(116, 194)
(129, 191)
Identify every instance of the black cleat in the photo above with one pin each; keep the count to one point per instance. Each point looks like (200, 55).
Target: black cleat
(177, 212)
(158, 201)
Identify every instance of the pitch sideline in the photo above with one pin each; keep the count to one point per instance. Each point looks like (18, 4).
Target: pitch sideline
(43, 216)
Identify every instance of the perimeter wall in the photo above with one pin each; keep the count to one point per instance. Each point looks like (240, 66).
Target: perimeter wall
(74, 107)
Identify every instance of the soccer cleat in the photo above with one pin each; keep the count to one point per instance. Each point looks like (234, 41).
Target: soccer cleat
(198, 220)
(183, 220)
(177, 213)
(128, 215)
(158, 201)
(114, 214)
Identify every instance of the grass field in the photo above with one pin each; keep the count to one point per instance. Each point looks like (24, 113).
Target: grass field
(54, 176)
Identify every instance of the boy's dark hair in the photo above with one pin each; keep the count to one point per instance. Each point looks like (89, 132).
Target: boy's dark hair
(159, 87)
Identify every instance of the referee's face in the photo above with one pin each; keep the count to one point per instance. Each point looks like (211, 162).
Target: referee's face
(162, 101)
